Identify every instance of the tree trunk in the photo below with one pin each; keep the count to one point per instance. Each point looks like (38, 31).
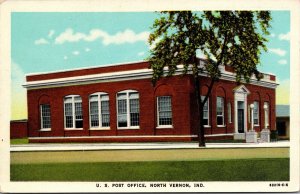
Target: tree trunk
(200, 110)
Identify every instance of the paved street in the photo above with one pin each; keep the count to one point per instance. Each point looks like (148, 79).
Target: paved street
(138, 146)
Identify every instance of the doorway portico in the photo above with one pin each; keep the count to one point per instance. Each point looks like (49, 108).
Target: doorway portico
(240, 111)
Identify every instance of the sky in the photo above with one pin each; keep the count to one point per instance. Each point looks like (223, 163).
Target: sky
(43, 42)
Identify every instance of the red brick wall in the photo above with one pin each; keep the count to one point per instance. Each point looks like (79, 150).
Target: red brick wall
(181, 88)
(90, 71)
(178, 90)
(225, 89)
(18, 129)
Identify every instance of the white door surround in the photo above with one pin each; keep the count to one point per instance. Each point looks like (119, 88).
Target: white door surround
(240, 98)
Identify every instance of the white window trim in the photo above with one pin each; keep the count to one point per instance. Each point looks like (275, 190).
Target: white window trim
(128, 110)
(45, 129)
(163, 126)
(256, 125)
(100, 127)
(208, 111)
(73, 114)
(41, 116)
(223, 112)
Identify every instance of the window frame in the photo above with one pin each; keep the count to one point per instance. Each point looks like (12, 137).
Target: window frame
(99, 103)
(41, 117)
(158, 125)
(256, 107)
(73, 113)
(128, 116)
(207, 102)
(223, 111)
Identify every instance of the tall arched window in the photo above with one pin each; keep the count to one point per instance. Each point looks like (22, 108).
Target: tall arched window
(99, 110)
(220, 111)
(73, 112)
(164, 111)
(45, 113)
(45, 117)
(220, 102)
(256, 113)
(205, 112)
(128, 109)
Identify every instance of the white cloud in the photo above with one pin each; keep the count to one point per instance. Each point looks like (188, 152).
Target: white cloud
(87, 49)
(284, 36)
(277, 51)
(282, 62)
(153, 45)
(41, 41)
(65, 57)
(68, 36)
(51, 33)
(126, 36)
(141, 53)
(272, 35)
(75, 52)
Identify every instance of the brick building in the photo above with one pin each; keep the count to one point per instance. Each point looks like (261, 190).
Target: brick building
(118, 103)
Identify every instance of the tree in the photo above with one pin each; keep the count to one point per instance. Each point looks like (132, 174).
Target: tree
(233, 38)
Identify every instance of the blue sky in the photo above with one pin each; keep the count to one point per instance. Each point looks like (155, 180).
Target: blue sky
(42, 42)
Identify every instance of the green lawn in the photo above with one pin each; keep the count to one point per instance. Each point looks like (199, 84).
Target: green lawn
(261, 169)
(19, 141)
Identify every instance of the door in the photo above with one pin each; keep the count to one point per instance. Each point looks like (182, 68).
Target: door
(241, 116)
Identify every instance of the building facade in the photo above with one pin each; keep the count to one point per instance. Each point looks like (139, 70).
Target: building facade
(283, 121)
(118, 103)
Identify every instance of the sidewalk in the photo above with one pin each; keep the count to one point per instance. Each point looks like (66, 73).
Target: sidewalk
(137, 146)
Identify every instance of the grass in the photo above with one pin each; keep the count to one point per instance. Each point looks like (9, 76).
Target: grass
(46, 157)
(262, 169)
(19, 141)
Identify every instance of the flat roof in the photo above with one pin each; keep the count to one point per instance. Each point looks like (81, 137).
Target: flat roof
(282, 110)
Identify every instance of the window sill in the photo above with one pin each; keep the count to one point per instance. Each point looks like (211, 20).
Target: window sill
(99, 129)
(164, 127)
(73, 129)
(221, 125)
(128, 128)
(48, 129)
(207, 126)
(256, 125)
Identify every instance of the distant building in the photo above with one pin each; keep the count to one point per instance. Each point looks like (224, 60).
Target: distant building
(118, 103)
(18, 129)
(283, 121)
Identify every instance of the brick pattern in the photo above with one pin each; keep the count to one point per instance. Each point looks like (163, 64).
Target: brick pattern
(185, 120)
(18, 129)
(90, 71)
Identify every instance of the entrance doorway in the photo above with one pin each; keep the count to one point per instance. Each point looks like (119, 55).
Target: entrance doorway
(241, 116)
(240, 111)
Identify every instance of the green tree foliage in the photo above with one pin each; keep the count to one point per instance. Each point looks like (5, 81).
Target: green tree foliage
(233, 38)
